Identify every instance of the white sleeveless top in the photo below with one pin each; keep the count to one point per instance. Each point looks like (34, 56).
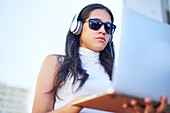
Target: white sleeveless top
(97, 81)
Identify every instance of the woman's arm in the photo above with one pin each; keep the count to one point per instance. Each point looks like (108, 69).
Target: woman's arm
(43, 101)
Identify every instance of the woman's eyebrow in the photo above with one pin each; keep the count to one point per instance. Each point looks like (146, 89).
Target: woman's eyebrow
(99, 19)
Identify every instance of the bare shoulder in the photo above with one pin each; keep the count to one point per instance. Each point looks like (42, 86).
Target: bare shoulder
(48, 71)
(53, 59)
(45, 84)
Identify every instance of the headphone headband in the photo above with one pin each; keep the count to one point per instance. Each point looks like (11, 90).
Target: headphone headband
(76, 25)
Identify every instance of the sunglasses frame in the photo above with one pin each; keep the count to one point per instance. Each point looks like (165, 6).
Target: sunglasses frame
(102, 23)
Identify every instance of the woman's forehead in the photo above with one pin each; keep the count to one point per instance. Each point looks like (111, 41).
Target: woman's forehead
(100, 14)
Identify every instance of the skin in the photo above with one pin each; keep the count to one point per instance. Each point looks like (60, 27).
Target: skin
(134, 107)
(95, 40)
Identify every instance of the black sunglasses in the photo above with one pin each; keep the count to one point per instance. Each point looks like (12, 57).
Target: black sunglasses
(96, 24)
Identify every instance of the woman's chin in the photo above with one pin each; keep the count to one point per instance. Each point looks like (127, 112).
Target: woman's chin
(98, 48)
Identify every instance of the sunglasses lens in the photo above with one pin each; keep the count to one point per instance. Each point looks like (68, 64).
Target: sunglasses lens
(94, 24)
(110, 28)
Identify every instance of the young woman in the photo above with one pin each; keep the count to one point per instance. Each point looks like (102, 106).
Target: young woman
(85, 69)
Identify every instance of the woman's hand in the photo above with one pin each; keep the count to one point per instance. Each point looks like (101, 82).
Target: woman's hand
(136, 107)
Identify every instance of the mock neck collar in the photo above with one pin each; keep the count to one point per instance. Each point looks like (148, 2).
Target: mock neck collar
(88, 55)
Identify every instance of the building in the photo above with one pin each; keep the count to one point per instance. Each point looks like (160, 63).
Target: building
(156, 9)
(13, 99)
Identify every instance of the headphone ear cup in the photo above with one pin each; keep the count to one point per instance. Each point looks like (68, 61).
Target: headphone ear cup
(78, 28)
(76, 25)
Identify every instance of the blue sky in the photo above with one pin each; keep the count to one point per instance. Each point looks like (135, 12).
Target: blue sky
(31, 30)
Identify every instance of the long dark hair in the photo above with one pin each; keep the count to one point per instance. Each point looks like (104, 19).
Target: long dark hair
(71, 65)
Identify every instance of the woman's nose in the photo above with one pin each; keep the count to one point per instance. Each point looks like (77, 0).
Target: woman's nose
(102, 30)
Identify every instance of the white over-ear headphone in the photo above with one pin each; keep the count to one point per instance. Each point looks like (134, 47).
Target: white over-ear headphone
(76, 25)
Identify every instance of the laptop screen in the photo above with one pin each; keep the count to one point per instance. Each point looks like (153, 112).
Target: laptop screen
(143, 67)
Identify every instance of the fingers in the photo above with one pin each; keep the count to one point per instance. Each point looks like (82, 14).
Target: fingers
(163, 105)
(127, 107)
(148, 106)
(133, 106)
(136, 107)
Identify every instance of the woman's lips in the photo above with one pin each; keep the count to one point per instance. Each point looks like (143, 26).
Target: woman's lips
(101, 39)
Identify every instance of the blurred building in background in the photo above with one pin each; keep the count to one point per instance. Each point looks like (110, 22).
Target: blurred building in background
(13, 99)
(166, 11)
(156, 9)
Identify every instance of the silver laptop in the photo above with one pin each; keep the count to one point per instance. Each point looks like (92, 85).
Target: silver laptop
(143, 67)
